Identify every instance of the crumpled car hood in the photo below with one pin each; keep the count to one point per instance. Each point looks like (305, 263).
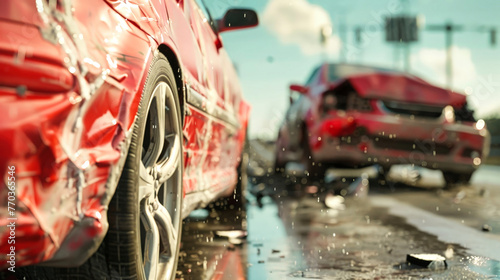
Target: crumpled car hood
(401, 87)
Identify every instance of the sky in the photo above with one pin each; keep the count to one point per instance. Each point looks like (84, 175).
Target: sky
(286, 46)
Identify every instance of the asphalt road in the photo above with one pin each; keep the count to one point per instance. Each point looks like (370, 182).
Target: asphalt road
(296, 231)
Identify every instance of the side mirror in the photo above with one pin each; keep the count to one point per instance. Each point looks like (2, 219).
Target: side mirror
(237, 19)
(300, 89)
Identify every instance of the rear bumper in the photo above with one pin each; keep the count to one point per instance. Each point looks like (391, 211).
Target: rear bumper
(387, 140)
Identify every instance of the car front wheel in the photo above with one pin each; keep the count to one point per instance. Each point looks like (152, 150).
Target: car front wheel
(145, 213)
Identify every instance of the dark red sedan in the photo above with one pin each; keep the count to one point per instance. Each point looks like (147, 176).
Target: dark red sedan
(353, 116)
(118, 118)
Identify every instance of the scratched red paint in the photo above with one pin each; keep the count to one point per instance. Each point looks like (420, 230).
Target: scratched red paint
(69, 97)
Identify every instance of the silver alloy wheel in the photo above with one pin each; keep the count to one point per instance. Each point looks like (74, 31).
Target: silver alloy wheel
(160, 185)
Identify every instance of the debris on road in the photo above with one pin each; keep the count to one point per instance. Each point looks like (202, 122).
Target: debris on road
(334, 202)
(360, 187)
(450, 252)
(487, 228)
(351, 182)
(483, 192)
(459, 197)
(407, 174)
(432, 261)
(295, 168)
(242, 234)
(234, 237)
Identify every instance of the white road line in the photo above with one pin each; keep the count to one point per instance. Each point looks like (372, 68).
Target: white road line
(448, 231)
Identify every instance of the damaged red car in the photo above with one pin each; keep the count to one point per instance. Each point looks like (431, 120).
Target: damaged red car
(118, 118)
(349, 116)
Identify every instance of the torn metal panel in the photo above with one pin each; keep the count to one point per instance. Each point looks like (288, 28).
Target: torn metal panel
(363, 116)
(206, 156)
(69, 130)
(403, 88)
(74, 76)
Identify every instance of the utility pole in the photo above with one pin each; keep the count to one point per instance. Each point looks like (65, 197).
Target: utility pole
(359, 41)
(406, 45)
(325, 34)
(493, 36)
(448, 28)
(449, 55)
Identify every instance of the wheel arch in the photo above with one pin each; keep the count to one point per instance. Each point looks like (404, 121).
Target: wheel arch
(178, 75)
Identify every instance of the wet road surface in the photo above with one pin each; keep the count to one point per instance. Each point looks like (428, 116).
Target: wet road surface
(292, 233)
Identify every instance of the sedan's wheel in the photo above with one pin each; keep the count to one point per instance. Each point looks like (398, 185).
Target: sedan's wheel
(145, 214)
(315, 170)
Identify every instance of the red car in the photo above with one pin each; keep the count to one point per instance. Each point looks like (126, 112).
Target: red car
(353, 116)
(118, 118)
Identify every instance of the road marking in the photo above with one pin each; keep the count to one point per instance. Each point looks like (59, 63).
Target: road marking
(449, 231)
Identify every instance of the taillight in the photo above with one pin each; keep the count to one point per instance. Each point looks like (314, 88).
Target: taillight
(337, 127)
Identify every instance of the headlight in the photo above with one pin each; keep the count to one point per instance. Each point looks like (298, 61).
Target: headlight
(449, 114)
(480, 124)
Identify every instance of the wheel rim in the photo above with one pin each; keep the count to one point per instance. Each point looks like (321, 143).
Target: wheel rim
(160, 185)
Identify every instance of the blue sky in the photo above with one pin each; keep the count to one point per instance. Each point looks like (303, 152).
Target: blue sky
(285, 48)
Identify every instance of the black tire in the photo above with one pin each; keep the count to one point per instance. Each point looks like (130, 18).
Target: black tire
(121, 255)
(315, 170)
(137, 210)
(452, 178)
(279, 167)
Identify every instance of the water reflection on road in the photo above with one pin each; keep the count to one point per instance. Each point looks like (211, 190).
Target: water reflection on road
(292, 233)
(269, 246)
